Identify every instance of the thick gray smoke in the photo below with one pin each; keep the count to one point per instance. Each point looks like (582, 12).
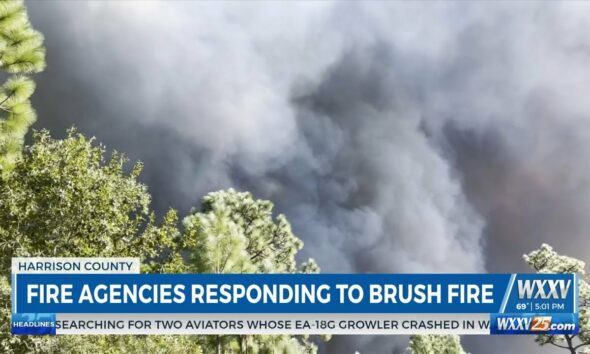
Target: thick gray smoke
(402, 137)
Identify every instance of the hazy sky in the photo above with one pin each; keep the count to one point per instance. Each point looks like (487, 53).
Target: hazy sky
(396, 137)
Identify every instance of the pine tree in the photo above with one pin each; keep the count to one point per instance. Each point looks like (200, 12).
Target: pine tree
(21, 53)
(234, 233)
(546, 260)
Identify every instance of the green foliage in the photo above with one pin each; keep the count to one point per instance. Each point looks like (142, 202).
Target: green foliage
(63, 198)
(21, 53)
(21, 47)
(234, 233)
(216, 244)
(546, 260)
(434, 344)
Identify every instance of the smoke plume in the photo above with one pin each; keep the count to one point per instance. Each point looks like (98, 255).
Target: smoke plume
(396, 137)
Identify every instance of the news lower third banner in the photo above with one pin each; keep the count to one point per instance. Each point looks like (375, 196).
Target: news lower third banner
(109, 296)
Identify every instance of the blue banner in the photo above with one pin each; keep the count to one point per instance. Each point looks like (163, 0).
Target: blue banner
(295, 293)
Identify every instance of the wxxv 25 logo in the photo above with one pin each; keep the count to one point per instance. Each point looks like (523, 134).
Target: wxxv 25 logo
(538, 309)
(526, 323)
